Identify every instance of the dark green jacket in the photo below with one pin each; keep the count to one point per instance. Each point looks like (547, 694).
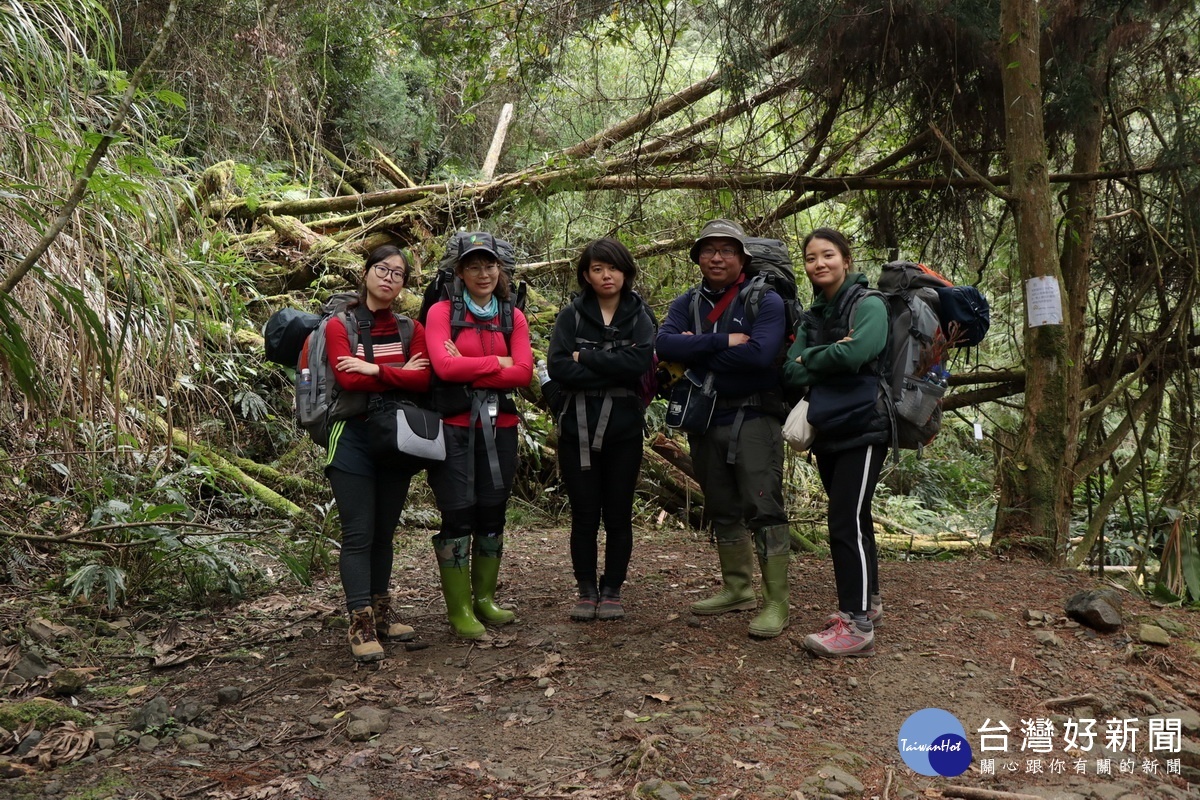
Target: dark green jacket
(811, 364)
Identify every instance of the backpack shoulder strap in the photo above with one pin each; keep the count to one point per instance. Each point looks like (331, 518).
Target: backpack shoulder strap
(458, 310)
(405, 325)
(578, 317)
(694, 306)
(848, 302)
(358, 322)
(751, 295)
(506, 317)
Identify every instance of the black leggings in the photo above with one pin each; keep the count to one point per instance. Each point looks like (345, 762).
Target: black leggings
(605, 491)
(369, 508)
(849, 478)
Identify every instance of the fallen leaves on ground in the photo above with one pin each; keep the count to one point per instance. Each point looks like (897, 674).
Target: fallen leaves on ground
(61, 745)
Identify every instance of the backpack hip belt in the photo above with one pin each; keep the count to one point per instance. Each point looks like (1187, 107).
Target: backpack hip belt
(581, 420)
(487, 425)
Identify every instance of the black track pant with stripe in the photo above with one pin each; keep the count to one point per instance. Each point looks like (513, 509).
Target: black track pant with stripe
(849, 478)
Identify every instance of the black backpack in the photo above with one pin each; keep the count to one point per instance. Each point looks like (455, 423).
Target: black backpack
(445, 286)
(770, 259)
(456, 398)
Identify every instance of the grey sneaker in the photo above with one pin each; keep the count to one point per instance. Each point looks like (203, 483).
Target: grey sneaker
(875, 612)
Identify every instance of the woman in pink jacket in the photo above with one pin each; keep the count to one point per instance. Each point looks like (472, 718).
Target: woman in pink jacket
(479, 349)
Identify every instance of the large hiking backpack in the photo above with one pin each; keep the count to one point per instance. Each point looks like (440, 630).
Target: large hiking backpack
(912, 369)
(769, 258)
(297, 339)
(909, 370)
(963, 312)
(444, 285)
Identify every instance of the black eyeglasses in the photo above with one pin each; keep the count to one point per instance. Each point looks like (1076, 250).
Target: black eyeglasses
(396, 274)
(726, 252)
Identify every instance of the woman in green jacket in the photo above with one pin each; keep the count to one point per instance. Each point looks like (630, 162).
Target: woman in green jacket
(839, 344)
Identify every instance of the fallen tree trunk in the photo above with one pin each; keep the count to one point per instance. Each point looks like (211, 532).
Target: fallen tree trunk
(675, 491)
(226, 470)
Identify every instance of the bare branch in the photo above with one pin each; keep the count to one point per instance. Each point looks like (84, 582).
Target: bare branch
(672, 105)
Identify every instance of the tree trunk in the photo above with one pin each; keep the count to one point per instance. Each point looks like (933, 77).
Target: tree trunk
(1035, 491)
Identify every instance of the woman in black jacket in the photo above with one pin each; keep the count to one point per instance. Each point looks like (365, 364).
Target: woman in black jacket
(602, 345)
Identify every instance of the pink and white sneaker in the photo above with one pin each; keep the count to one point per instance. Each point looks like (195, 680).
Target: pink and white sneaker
(841, 637)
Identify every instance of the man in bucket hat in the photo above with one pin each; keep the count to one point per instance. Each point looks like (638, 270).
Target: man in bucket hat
(713, 332)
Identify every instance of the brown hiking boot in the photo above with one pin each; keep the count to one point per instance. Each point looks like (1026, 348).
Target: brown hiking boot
(387, 621)
(364, 643)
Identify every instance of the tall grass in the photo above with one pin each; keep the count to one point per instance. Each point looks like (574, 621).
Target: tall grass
(116, 329)
(103, 316)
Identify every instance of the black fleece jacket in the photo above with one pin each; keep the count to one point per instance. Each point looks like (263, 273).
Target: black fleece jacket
(617, 367)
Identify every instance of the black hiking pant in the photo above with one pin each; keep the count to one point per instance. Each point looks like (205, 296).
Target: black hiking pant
(369, 507)
(604, 492)
(849, 478)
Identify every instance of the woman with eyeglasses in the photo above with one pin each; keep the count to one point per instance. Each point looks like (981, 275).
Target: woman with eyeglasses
(602, 345)
(480, 351)
(371, 489)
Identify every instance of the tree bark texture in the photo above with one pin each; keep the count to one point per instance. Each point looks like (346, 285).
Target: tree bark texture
(1035, 489)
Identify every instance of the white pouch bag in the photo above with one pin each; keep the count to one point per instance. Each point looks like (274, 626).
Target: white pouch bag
(797, 431)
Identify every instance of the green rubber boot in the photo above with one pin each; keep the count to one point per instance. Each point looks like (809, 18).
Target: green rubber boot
(737, 594)
(485, 573)
(773, 618)
(454, 564)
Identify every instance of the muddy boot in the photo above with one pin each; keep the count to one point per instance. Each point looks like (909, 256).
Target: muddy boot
(364, 644)
(454, 564)
(737, 567)
(610, 602)
(773, 618)
(387, 621)
(485, 574)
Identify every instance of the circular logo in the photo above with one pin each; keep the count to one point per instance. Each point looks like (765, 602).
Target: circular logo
(933, 742)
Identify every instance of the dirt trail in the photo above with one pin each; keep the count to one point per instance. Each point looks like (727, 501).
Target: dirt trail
(662, 702)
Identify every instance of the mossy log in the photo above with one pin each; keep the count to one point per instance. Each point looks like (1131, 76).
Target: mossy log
(233, 474)
(281, 482)
(217, 181)
(349, 180)
(226, 470)
(390, 170)
(323, 250)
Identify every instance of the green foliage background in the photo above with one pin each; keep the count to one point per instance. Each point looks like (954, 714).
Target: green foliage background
(135, 390)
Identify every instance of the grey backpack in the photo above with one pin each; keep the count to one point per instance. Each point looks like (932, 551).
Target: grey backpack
(319, 400)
